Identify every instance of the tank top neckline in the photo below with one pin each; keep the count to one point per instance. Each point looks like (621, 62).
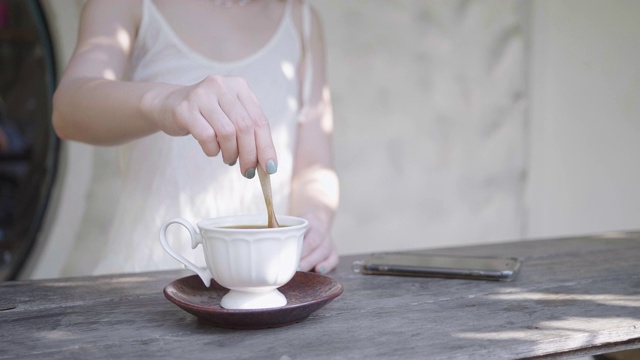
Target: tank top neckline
(212, 62)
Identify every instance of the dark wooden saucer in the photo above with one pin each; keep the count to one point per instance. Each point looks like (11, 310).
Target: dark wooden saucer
(305, 293)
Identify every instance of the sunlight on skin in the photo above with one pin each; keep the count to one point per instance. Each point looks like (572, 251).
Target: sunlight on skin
(292, 103)
(323, 111)
(121, 44)
(288, 70)
(124, 40)
(98, 58)
(109, 74)
(100, 41)
(604, 299)
(124, 43)
(323, 183)
(327, 119)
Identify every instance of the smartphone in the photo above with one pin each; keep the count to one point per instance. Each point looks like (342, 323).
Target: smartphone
(437, 265)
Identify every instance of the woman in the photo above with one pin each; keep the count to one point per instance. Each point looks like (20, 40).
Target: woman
(176, 83)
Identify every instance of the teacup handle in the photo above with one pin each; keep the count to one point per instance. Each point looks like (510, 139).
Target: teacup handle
(196, 239)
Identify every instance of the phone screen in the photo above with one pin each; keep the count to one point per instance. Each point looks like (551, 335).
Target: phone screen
(412, 264)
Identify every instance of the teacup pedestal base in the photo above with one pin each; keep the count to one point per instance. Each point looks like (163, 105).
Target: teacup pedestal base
(244, 300)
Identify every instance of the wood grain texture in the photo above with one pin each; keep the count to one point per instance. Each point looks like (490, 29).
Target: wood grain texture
(573, 296)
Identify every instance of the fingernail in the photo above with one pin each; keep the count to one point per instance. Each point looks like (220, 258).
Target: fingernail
(271, 167)
(322, 270)
(251, 172)
(233, 162)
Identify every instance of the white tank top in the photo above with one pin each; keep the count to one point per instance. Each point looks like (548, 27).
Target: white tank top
(165, 177)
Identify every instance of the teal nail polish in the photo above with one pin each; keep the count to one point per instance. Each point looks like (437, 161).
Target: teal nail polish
(322, 270)
(233, 162)
(251, 172)
(271, 167)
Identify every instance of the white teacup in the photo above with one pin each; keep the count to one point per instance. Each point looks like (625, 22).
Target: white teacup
(251, 262)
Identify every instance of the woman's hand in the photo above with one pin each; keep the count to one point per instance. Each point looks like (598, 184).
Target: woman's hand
(318, 250)
(222, 114)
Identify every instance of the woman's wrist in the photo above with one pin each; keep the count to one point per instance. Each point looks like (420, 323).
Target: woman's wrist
(151, 104)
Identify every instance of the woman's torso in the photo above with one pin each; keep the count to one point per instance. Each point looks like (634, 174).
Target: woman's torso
(164, 177)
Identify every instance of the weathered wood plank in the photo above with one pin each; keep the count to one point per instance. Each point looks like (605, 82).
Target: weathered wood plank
(564, 300)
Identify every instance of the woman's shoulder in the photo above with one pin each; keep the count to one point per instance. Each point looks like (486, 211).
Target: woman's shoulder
(123, 10)
(133, 5)
(303, 11)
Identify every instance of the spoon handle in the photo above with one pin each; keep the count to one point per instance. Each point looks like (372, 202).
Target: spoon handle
(265, 183)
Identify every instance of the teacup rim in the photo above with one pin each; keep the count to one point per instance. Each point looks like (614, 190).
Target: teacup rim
(250, 219)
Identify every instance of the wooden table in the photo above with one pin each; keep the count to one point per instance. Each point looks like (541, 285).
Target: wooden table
(573, 297)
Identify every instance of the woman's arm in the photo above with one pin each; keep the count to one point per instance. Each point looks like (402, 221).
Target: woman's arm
(94, 104)
(91, 103)
(315, 188)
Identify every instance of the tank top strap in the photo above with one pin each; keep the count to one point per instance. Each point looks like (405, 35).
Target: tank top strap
(308, 61)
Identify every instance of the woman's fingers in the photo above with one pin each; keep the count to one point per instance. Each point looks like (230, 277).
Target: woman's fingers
(224, 128)
(241, 129)
(266, 153)
(202, 131)
(328, 264)
(245, 142)
(318, 252)
(321, 259)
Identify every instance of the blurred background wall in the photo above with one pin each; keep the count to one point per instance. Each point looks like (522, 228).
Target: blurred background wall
(464, 122)
(431, 121)
(457, 122)
(585, 118)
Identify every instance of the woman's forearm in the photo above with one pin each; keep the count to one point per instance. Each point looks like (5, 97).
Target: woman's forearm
(315, 197)
(315, 192)
(104, 112)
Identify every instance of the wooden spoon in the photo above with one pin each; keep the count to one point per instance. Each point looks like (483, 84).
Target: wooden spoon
(265, 182)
